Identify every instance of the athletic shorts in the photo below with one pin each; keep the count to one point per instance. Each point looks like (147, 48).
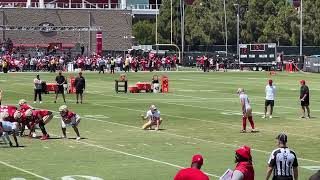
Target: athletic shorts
(305, 103)
(282, 178)
(60, 89)
(79, 91)
(75, 120)
(269, 102)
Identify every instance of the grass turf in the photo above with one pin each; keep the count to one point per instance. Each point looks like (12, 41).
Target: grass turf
(201, 115)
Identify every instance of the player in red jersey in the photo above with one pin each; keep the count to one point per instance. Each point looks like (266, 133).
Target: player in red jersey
(194, 172)
(24, 106)
(69, 118)
(10, 110)
(41, 117)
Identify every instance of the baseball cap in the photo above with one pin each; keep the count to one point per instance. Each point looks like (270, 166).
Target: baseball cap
(303, 82)
(245, 152)
(197, 159)
(270, 81)
(282, 137)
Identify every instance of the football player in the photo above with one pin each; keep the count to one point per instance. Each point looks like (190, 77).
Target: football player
(7, 127)
(153, 117)
(246, 110)
(10, 110)
(41, 117)
(69, 118)
(24, 106)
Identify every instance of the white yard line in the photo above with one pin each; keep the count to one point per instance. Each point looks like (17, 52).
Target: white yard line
(23, 170)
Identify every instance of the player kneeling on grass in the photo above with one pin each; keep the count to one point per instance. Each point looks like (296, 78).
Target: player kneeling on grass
(153, 117)
(246, 110)
(7, 127)
(69, 118)
(41, 117)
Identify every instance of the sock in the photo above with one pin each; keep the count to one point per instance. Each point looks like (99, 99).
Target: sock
(251, 122)
(244, 122)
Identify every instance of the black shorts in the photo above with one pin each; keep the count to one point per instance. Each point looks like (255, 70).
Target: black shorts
(269, 102)
(60, 89)
(79, 91)
(282, 178)
(305, 103)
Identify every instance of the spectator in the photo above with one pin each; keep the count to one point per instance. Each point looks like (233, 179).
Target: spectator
(316, 176)
(194, 172)
(60, 79)
(37, 88)
(80, 84)
(244, 168)
(102, 65)
(283, 161)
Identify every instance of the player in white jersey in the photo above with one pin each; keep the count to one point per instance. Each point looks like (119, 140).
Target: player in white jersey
(246, 110)
(153, 117)
(270, 95)
(7, 127)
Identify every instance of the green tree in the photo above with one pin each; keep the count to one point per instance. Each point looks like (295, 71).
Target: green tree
(144, 32)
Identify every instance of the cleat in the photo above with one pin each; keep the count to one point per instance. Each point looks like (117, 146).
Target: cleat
(35, 102)
(263, 117)
(44, 137)
(254, 130)
(270, 117)
(243, 131)
(40, 102)
(78, 138)
(302, 117)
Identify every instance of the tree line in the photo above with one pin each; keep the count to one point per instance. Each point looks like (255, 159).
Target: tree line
(261, 21)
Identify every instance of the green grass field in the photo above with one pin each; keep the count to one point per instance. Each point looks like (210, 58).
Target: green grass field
(201, 115)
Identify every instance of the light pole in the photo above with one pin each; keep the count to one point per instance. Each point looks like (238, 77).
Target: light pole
(225, 25)
(171, 22)
(182, 28)
(301, 26)
(157, 10)
(238, 29)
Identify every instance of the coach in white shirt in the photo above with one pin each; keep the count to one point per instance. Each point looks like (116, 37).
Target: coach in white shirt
(270, 94)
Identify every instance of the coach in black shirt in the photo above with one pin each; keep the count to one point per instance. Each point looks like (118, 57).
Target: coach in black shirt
(283, 161)
(304, 98)
(80, 84)
(60, 79)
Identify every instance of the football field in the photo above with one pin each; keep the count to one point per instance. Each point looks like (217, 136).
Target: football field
(201, 115)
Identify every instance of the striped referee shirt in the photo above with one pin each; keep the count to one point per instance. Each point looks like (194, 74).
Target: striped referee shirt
(282, 160)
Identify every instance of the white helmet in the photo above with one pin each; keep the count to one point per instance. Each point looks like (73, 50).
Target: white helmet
(17, 115)
(28, 113)
(4, 115)
(63, 108)
(240, 90)
(22, 101)
(153, 107)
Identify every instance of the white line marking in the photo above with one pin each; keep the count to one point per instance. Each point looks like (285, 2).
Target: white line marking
(146, 144)
(108, 130)
(70, 146)
(46, 147)
(168, 144)
(121, 145)
(23, 170)
(137, 156)
(191, 143)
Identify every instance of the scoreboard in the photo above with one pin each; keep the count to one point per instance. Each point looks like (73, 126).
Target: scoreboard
(257, 53)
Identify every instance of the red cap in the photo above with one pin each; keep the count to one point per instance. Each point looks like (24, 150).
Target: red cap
(270, 81)
(303, 82)
(197, 159)
(245, 152)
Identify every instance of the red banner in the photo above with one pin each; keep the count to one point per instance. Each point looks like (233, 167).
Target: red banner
(99, 43)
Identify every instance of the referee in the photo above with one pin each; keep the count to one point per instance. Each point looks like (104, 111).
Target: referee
(283, 161)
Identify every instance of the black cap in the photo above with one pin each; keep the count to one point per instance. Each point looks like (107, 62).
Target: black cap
(38, 75)
(282, 137)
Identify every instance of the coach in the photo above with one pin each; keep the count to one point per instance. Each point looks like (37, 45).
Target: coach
(37, 89)
(304, 98)
(283, 161)
(80, 84)
(60, 79)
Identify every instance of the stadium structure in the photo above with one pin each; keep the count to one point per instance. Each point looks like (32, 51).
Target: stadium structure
(72, 23)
